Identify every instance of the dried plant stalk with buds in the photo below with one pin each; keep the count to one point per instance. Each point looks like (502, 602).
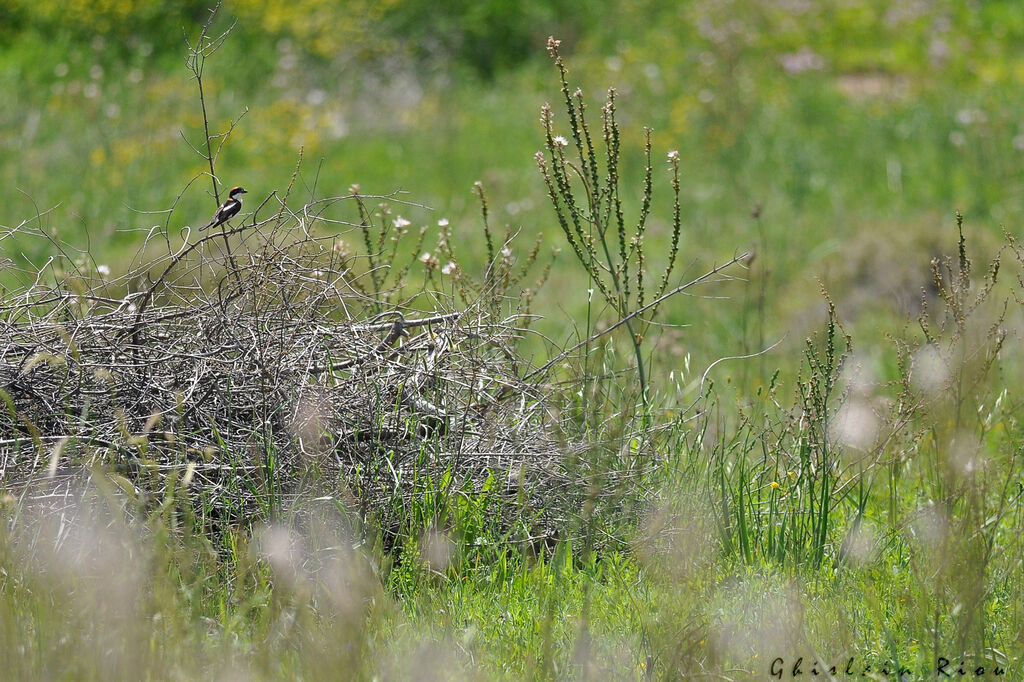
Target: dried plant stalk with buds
(587, 200)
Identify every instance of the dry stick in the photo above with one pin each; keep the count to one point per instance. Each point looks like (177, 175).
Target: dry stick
(396, 330)
(148, 295)
(636, 313)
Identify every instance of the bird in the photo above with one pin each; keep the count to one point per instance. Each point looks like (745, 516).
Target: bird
(228, 210)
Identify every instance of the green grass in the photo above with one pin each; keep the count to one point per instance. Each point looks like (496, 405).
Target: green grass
(762, 533)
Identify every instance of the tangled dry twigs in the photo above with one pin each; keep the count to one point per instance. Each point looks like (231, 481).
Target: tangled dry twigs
(297, 361)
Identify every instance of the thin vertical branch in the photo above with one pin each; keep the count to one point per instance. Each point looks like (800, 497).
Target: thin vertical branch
(196, 62)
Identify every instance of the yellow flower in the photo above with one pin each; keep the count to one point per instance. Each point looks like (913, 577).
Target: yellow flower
(773, 484)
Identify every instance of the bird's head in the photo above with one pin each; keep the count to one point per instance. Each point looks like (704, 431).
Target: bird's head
(235, 191)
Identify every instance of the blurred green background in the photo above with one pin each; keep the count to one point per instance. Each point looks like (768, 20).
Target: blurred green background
(852, 129)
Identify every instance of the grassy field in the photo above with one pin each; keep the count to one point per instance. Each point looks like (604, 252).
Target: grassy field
(850, 498)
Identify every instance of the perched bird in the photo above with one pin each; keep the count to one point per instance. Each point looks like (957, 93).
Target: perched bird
(228, 210)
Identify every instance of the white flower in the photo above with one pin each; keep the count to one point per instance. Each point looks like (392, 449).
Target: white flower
(103, 270)
(448, 268)
(443, 222)
(561, 141)
(429, 260)
(673, 155)
(401, 222)
(506, 252)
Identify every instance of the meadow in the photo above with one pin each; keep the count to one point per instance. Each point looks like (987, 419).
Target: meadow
(723, 384)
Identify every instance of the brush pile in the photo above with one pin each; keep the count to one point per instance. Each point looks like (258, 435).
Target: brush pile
(268, 364)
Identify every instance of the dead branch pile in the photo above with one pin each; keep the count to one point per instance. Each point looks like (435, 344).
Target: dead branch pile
(269, 371)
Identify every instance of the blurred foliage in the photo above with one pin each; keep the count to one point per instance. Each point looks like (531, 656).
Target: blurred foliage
(488, 35)
(927, 39)
(324, 28)
(927, 42)
(113, 18)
